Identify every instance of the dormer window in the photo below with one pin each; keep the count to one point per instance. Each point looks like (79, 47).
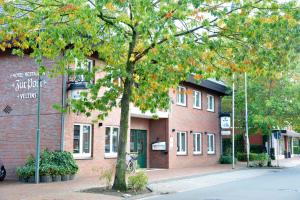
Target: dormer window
(86, 65)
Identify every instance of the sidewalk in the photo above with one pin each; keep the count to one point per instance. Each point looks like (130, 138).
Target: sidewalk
(12, 190)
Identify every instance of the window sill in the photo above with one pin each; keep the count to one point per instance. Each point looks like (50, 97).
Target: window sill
(179, 104)
(110, 155)
(211, 153)
(210, 110)
(181, 154)
(197, 153)
(198, 108)
(83, 157)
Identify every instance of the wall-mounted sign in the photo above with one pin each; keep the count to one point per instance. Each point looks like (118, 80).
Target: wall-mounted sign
(226, 132)
(25, 84)
(159, 146)
(225, 122)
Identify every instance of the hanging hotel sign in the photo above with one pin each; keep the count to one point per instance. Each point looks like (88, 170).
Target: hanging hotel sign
(225, 122)
(25, 84)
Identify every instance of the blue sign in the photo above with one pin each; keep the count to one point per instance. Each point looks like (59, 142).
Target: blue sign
(277, 135)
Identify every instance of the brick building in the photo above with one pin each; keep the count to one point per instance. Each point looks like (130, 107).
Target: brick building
(187, 135)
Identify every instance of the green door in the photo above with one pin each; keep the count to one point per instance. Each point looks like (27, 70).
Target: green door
(138, 144)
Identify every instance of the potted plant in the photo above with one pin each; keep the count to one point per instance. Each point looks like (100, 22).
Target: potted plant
(45, 175)
(65, 173)
(56, 175)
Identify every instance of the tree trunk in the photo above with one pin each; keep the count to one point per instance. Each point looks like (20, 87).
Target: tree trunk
(120, 176)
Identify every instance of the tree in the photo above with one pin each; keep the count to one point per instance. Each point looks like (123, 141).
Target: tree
(151, 45)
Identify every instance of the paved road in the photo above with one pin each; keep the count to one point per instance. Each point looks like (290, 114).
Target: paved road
(281, 184)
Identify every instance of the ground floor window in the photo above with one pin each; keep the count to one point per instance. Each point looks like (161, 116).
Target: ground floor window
(210, 143)
(82, 140)
(197, 143)
(181, 143)
(111, 141)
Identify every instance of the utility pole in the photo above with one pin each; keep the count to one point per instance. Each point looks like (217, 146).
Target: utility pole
(37, 149)
(246, 120)
(233, 156)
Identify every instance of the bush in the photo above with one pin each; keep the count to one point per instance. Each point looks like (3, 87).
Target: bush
(261, 160)
(257, 149)
(107, 175)
(243, 156)
(138, 182)
(226, 159)
(296, 150)
(51, 163)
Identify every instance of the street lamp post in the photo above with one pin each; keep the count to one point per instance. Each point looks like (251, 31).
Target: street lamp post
(37, 150)
(233, 156)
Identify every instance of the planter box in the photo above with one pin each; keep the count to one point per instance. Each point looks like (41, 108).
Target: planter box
(65, 178)
(46, 179)
(56, 178)
(71, 176)
(31, 179)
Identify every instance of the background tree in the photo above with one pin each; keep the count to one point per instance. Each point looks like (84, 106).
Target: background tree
(151, 45)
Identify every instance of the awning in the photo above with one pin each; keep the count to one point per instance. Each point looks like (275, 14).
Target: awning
(291, 133)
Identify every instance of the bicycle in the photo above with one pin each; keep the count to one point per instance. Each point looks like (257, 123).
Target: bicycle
(131, 162)
(2, 171)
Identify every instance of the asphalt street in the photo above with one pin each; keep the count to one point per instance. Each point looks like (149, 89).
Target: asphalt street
(276, 184)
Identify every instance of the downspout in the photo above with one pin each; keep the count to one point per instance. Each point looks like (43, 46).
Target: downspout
(221, 137)
(63, 103)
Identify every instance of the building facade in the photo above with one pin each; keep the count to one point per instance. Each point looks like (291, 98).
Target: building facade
(186, 135)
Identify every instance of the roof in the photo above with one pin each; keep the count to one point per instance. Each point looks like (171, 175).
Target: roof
(291, 133)
(210, 84)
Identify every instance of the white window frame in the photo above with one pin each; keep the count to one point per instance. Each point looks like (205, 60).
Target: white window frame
(213, 151)
(208, 103)
(196, 144)
(81, 154)
(194, 99)
(110, 154)
(83, 65)
(180, 92)
(179, 152)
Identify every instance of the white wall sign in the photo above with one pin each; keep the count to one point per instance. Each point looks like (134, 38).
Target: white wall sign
(225, 132)
(25, 84)
(225, 122)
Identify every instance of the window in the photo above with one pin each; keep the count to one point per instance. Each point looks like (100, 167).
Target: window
(210, 103)
(197, 143)
(197, 99)
(82, 140)
(210, 143)
(181, 143)
(87, 65)
(111, 141)
(181, 96)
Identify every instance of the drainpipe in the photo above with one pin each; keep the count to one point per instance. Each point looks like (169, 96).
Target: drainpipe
(63, 103)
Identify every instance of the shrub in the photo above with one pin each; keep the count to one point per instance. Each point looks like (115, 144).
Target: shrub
(138, 182)
(257, 148)
(107, 175)
(51, 163)
(296, 150)
(261, 160)
(243, 156)
(226, 159)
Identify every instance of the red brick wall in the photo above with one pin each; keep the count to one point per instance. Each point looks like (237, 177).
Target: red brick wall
(158, 129)
(18, 128)
(187, 119)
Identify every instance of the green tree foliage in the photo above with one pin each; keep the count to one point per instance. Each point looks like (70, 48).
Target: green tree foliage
(151, 45)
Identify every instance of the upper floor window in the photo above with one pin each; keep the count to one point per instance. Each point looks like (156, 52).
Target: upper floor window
(197, 99)
(181, 143)
(210, 143)
(210, 103)
(181, 96)
(86, 65)
(82, 140)
(197, 143)
(111, 141)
